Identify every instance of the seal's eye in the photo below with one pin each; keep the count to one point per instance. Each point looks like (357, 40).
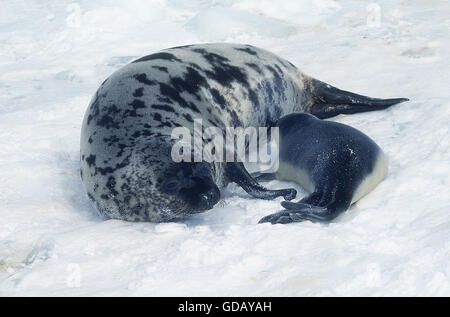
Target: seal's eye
(171, 186)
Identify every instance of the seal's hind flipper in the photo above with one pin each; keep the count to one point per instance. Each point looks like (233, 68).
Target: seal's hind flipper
(237, 173)
(326, 101)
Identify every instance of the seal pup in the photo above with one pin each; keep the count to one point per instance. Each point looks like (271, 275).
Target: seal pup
(335, 163)
(126, 164)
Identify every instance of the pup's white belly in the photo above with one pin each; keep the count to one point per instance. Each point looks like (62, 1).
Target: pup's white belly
(371, 181)
(291, 173)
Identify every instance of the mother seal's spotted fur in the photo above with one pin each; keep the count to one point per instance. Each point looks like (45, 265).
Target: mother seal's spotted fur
(126, 142)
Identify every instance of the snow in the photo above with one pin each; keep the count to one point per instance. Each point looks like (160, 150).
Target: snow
(54, 55)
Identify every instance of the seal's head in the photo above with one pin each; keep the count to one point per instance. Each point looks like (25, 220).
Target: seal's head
(190, 184)
(172, 189)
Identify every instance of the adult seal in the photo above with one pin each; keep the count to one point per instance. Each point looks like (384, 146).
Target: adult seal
(126, 164)
(335, 163)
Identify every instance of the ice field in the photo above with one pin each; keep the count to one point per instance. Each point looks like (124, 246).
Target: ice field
(395, 241)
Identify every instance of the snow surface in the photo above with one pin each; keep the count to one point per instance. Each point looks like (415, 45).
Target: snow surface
(395, 241)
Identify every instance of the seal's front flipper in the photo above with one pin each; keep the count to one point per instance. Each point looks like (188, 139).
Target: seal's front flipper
(281, 217)
(264, 177)
(298, 212)
(301, 212)
(237, 173)
(327, 101)
(317, 207)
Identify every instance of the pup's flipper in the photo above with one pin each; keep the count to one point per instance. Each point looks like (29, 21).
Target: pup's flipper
(264, 177)
(317, 207)
(237, 173)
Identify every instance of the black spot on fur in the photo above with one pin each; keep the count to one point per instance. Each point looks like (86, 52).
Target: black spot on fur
(136, 134)
(90, 160)
(136, 104)
(246, 50)
(111, 184)
(188, 117)
(142, 78)
(253, 98)
(164, 124)
(211, 57)
(112, 110)
(147, 133)
(164, 99)
(218, 97)
(109, 169)
(254, 67)
(108, 122)
(278, 81)
(125, 187)
(161, 68)
(190, 83)
(174, 94)
(217, 121)
(138, 92)
(164, 108)
(223, 72)
(162, 55)
(235, 120)
(193, 107)
(111, 140)
(157, 117)
(195, 78)
(122, 148)
(280, 71)
(195, 66)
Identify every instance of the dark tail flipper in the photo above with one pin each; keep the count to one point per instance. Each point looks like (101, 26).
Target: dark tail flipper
(326, 101)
